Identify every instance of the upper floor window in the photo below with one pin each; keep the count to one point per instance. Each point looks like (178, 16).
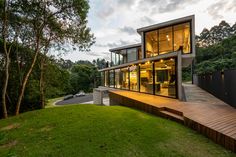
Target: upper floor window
(168, 39)
(131, 54)
(182, 37)
(165, 40)
(151, 43)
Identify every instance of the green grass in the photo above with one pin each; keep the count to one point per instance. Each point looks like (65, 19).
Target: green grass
(89, 130)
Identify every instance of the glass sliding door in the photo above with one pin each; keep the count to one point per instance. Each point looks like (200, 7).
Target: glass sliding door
(146, 78)
(106, 78)
(182, 37)
(151, 43)
(165, 77)
(125, 78)
(134, 78)
(111, 75)
(117, 78)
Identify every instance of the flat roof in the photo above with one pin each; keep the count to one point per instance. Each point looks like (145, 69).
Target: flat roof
(125, 47)
(167, 23)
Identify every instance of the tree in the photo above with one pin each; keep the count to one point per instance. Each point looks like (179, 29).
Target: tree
(65, 20)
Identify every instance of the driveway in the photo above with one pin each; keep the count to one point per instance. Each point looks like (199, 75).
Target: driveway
(77, 100)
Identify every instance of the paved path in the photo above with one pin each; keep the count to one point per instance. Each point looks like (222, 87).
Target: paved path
(203, 112)
(77, 100)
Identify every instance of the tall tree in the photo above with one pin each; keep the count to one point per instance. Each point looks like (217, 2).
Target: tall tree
(65, 20)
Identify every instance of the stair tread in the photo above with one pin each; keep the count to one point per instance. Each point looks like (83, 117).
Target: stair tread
(173, 115)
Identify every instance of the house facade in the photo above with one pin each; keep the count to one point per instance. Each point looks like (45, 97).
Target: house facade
(153, 66)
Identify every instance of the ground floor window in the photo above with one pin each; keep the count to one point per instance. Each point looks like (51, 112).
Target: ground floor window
(125, 78)
(102, 79)
(134, 78)
(158, 77)
(146, 78)
(118, 78)
(106, 79)
(165, 77)
(111, 75)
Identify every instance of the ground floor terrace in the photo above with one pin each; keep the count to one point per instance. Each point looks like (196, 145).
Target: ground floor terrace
(202, 112)
(158, 76)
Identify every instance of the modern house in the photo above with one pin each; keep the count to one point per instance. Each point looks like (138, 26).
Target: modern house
(154, 66)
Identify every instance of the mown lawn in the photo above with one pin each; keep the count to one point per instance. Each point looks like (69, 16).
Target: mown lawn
(89, 130)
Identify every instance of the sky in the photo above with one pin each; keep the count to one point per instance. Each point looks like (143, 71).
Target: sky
(115, 22)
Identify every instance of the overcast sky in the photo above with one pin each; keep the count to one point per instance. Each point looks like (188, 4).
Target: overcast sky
(114, 22)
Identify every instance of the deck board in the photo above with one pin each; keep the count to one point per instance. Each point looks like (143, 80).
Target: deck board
(213, 118)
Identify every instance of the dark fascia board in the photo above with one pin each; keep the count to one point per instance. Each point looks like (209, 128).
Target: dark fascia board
(164, 24)
(125, 47)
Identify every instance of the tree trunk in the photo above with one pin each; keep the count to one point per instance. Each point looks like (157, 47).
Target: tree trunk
(26, 78)
(41, 84)
(5, 84)
(7, 60)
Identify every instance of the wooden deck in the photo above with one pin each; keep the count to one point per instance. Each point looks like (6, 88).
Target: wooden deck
(207, 115)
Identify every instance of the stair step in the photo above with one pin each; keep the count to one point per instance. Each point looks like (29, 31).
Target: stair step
(172, 111)
(172, 116)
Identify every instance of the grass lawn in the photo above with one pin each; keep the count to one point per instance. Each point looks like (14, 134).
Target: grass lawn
(89, 130)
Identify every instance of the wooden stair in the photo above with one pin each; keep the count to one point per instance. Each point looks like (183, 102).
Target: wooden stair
(172, 114)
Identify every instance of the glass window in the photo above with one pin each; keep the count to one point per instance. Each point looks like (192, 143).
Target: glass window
(165, 40)
(117, 62)
(125, 78)
(102, 79)
(134, 78)
(182, 37)
(123, 56)
(117, 78)
(146, 78)
(151, 44)
(106, 79)
(111, 74)
(131, 54)
(165, 78)
(140, 54)
(113, 58)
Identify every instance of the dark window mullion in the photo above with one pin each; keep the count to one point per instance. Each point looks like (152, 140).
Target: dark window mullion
(153, 77)
(173, 38)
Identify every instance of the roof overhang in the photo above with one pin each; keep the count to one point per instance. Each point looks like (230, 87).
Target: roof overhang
(164, 24)
(125, 47)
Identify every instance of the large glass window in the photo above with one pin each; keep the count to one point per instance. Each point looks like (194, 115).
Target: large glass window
(146, 78)
(123, 56)
(134, 78)
(165, 78)
(118, 78)
(131, 54)
(151, 44)
(125, 78)
(182, 37)
(111, 74)
(106, 78)
(165, 40)
(102, 79)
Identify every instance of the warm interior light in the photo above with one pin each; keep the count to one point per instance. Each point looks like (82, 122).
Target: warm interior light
(161, 60)
(171, 59)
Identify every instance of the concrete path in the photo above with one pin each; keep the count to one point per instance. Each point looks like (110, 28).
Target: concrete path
(194, 93)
